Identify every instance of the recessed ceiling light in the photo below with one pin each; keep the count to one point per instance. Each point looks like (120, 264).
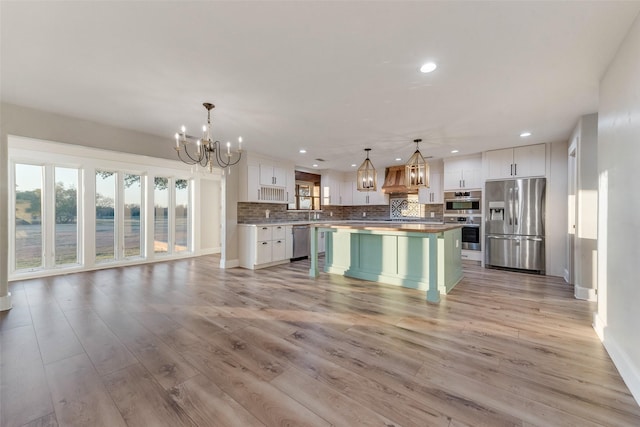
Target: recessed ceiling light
(525, 134)
(315, 165)
(428, 67)
(454, 151)
(398, 159)
(302, 151)
(353, 165)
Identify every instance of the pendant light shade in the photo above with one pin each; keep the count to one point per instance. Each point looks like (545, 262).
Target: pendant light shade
(416, 170)
(367, 177)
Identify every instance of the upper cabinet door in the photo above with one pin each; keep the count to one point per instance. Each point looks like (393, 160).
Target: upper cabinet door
(279, 177)
(463, 173)
(346, 193)
(518, 162)
(530, 160)
(499, 163)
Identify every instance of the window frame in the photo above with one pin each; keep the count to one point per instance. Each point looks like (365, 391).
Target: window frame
(49, 155)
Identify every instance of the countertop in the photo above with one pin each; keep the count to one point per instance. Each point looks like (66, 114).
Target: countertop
(380, 222)
(389, 226)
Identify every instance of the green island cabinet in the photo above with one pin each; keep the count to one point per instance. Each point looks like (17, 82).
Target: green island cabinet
(409, 255)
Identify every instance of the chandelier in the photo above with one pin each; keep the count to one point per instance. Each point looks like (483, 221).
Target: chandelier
(416, 170)
(366, 178)
(203, 151)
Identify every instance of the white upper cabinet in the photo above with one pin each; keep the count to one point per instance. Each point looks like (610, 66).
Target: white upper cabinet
(463, 173)
(346, 192)
(369, 197)
(272, 175)
(339, 189)
(516, 162)
(262, 181)
(433, 195)
(331, 188)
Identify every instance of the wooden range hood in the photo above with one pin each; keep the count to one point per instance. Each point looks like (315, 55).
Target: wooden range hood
(394, 181)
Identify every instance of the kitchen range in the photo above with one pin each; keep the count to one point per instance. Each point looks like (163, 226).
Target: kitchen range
(465, 208)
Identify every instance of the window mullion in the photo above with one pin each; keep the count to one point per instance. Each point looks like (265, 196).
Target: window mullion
(172, 215)
(49, 217)
(119, 217)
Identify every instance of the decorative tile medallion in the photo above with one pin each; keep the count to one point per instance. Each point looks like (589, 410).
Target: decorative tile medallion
(405, 208)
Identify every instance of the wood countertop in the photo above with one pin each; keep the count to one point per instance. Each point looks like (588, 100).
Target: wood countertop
(389, 226)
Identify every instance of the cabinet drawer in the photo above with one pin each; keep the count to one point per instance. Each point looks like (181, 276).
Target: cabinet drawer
(263, 252)
(278, 232)
(278, 250)
(264, 233)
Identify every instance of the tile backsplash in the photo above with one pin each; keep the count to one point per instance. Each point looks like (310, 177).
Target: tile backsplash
(250, 213)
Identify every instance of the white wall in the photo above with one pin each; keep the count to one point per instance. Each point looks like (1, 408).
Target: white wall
(618, 318)
(585, 136)
(556, 210)
(41, 125)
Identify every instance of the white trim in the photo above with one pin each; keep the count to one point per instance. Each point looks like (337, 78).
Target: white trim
(100, 266)
(588, 294)
(209, 251)
(231, 263)
(629, 371)
(5, 302)
(87, 160)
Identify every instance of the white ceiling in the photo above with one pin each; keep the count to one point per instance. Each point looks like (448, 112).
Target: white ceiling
(331, 77)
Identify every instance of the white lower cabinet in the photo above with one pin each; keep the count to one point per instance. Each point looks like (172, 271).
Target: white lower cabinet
(263, 245)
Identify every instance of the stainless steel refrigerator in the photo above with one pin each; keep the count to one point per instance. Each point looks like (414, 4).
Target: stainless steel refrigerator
(514, 224)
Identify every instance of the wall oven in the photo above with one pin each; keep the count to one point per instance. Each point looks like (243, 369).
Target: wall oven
(470, 230)
(463, 202)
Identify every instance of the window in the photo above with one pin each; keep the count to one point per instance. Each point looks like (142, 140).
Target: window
(161, 215)
(28, 217)
(307, 191)
(75, 208)
(182, 227)
(66, 216)
(131, 218)
(105, 216)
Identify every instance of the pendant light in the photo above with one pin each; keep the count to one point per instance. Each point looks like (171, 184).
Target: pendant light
(416, 170)
(367, 177)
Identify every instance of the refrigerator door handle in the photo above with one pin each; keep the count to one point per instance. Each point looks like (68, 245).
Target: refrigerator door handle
(510, 206)
(516, 201)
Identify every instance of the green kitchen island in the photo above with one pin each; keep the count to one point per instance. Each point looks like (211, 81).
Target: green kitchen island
(418, 256)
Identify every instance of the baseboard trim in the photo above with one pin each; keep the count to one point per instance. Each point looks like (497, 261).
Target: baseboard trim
(629, 372)
(5, 302)
(231, 263)
(588, 294)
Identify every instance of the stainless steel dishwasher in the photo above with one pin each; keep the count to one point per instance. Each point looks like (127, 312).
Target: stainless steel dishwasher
(300, 241)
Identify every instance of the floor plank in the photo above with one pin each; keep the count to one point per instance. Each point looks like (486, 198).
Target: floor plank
(208, 405)
(142, 401)
(24, 394)
(261, 399)
(105, 350)
(186, 343)
(79, 395)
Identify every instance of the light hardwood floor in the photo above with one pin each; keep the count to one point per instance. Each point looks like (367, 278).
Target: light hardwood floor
(185, 343)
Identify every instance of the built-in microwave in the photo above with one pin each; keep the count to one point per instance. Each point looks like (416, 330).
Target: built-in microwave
(463, 202)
